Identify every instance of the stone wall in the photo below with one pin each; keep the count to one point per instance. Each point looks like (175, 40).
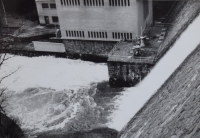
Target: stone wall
(124, 74)
(89, 47)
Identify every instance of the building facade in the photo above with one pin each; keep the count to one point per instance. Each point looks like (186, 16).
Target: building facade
(47, 12)
(98, 20)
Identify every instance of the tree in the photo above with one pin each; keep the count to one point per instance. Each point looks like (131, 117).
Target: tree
(8, 127)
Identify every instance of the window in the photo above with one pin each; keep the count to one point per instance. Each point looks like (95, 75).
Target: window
(52, 6)
(77, 33)
(92, 34)
(83, 33)
(45, 5)
(97, 35)
(119, 2)
(61, 2)
(66, 33)
(89, 34)
(55, 19)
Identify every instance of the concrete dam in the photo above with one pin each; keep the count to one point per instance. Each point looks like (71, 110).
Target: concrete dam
(173, 110)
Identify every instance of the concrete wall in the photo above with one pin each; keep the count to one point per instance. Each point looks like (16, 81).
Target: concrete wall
(49, 47)
(45, 11)
(105, 18)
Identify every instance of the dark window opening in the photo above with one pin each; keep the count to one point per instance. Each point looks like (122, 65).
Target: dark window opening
(45, 5)
(72, 33)
(53, 6)
(106, 35)
(84, 2)
(92, 34)
(97, 2)
(122, 2)
(121, 35)
(103, 34)
(80, 33)
(89, 34)
(83, 34)
(115, 2)
(55, 19)
(128, 2)
(69, 33)
(113, 35)
(118, 35)
(70, 2)
(66, 33)
(93, 2)
(127, 35)
(78, 2)
(77, 33)
(130, 35)
(109, 2)
(97, 35)
(61, 2)
(102, 2)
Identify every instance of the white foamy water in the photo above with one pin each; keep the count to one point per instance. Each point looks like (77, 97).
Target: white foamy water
(50, 72)
(134, 98)
(54, 93)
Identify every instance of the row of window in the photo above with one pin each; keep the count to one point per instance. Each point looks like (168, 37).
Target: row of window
(49, 5)
(70, 2)
(97, 34)
(117, 35)
(91, 34)
(75, 34)
(93, 2)
(119, 2)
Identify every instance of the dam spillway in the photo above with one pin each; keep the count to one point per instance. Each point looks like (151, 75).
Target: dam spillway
(134, 98)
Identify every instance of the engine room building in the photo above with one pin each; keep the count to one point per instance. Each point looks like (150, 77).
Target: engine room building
(98, 20)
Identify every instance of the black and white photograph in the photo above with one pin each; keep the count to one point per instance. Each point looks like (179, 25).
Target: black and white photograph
(99, 68)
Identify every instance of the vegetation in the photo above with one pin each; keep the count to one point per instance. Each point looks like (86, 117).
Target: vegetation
(8, 127)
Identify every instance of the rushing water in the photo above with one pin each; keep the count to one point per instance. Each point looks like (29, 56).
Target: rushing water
(134, 98)
(57, 94)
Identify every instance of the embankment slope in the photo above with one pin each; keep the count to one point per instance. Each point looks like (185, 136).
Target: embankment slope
(174, 110)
